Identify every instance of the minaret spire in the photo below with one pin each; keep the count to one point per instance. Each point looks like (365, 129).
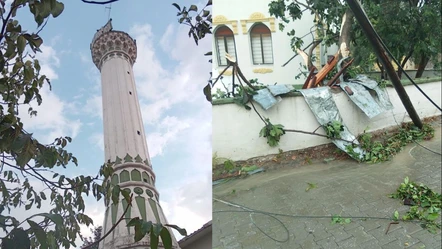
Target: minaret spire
(114, 53)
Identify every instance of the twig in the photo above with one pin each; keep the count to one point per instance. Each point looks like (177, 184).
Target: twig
(95, 2)
(114, 226)
(388, 228)
(221, 74)
(317, 134)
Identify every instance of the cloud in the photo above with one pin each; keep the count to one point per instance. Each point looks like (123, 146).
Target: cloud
(97, 140)
(190, 204)
(167, 131)
(94, 106)
(52, 115)
(181, 84)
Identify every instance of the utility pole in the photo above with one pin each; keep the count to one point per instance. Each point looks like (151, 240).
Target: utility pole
(369, 31)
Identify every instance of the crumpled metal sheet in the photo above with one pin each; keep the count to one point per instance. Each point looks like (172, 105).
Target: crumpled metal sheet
(265, 98)
(362, 98)
(279, 89)
(325, 110)
(381, 93)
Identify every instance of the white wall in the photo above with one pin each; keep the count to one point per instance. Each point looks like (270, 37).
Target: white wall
(236, 131)
(235, 10)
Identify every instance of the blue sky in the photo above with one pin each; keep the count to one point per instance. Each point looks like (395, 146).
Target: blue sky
(170, 73)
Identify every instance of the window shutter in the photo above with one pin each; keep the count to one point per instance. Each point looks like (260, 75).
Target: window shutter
(221, 50)
(256, 49)
(267, 48)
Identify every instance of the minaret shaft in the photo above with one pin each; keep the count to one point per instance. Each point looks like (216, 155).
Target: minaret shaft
(114, 53)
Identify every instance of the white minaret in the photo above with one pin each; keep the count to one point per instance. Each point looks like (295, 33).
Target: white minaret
(114, 53)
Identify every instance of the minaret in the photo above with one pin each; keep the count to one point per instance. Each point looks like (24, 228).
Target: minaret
(114, 53)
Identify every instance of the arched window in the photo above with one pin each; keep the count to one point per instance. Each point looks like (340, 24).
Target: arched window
(261, 40)
(225, 43)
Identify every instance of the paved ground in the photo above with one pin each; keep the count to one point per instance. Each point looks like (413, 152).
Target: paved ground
(344, 188)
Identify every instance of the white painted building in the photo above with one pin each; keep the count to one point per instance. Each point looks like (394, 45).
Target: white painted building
(114, 53)
(244, 29)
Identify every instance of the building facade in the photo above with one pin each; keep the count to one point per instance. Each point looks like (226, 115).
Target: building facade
(114, 53)
(246, 31)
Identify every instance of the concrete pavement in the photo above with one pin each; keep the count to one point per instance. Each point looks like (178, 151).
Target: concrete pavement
(344, 188)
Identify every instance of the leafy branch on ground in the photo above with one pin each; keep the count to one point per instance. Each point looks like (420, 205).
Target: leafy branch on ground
(425, 204)
(384, 150)
(337, 219)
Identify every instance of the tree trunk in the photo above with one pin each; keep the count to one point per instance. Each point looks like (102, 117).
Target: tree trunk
(399, 71)
(422, 64)
(345, 35)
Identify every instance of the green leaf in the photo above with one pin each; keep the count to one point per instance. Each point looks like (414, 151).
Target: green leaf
(193, 8)
(18, 240)
(177, 6)
(207, 90)
(126, 195)
(153, 240)
(156, 229)
(396, 215)
(182, 231)
(40, 234)
(166, 238)
(134, 222)
(406, 180)
(206, 13)
(57, 9)
(56, 218)
(347, 221)
(115, 194)
(138, 232)
(21, 44)
(146, 227)
(432, 216)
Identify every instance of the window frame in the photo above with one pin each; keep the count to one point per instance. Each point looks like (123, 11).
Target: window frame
(261, 43)
(224, 43)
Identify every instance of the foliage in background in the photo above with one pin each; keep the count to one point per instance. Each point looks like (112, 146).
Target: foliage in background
(88, 241)
(404, 26)
(425, 204)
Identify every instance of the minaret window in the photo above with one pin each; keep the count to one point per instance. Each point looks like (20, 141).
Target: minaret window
(261, 43)
(124, 176)
(225, 43)
(138, 132)
(130, 92)
(136, 175)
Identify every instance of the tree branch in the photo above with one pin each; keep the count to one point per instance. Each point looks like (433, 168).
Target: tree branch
(95, 2)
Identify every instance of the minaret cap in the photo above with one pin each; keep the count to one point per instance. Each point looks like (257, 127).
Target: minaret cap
(108, 43)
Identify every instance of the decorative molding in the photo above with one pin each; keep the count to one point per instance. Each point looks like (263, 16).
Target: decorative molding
(258, 17)
(226, 73)
(219, 19)
(222, 20)
(263, 70)
(113, 44)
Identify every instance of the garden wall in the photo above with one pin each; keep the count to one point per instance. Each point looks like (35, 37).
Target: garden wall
(235, 131)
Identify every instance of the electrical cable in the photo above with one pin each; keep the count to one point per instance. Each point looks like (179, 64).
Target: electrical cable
(401, 68)
(273, 215)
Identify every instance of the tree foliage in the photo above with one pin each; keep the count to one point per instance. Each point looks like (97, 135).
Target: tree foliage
(200, 25)
(25, 161)
(410, 29)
